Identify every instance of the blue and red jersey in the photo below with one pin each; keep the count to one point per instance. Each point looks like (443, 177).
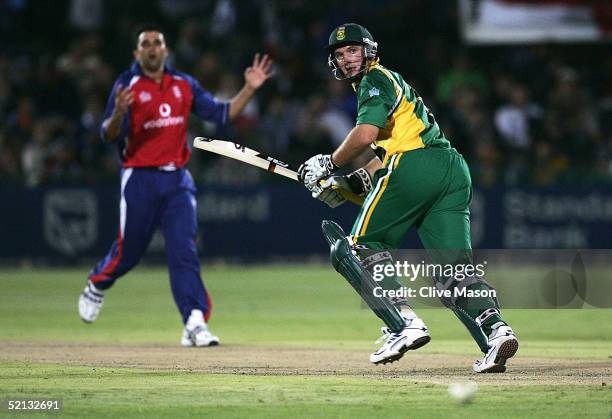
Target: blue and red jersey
(154, 129)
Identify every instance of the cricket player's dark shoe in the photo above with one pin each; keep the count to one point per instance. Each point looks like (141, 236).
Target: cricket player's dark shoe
(196, 331)
(502, 346)
(90, 303)
(413, 336)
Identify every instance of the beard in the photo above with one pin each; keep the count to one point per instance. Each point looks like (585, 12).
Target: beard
(152, 65)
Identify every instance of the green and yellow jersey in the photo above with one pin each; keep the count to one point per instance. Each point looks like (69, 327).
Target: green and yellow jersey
(385, 100)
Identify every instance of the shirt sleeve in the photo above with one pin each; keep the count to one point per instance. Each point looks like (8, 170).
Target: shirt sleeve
(110, 107)
(206, 106)
(375, 99)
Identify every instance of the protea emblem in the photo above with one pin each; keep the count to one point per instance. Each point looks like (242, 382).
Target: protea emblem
(340, 33)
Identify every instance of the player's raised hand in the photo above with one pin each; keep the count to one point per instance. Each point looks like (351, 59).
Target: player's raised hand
(259, 71)
(124, 97)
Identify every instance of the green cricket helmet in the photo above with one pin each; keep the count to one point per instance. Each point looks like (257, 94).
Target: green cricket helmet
(351, 34)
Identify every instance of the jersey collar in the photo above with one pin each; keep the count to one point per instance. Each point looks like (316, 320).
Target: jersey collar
(136, 69)
(371, 65)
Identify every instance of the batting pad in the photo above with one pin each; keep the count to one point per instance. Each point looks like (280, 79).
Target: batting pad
(350, 267)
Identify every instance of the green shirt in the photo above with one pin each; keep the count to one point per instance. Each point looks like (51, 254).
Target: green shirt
(385, 100)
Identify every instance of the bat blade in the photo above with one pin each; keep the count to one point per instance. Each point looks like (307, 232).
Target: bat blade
(246, 155)
(255, 158)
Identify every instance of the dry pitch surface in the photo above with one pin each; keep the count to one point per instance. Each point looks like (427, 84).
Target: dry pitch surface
(284, 361)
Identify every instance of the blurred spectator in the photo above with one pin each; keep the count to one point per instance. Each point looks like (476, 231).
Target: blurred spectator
(461, 75)
(180, 9)
(86, 15)
(246, 122)
(539, 114)
(188, 45)
(64, 167)
(463, 119)
(333, 121)
(223, 19)
(208, 71)
(35, 157)
(486, 169)
(342, 99)
(21, 119)
(308, 137)
(9, 161)
(278, 123)
(572, 125)
(517, 121)
(54, 93)
(514, 121)
(5, 96)
(549, 164)
(90, 149)
(82, 63)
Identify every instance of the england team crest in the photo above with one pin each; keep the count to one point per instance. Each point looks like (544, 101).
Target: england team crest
(177, 92)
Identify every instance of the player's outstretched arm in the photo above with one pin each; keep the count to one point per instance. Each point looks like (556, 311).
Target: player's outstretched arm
(254, 77)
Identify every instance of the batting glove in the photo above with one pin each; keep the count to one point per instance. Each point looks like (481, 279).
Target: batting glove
(316, 168)
(330, 196)
(359, 182)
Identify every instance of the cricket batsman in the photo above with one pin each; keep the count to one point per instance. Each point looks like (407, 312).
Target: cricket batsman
(416, 179)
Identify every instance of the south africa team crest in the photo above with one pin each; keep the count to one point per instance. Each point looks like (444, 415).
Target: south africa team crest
(340, 33)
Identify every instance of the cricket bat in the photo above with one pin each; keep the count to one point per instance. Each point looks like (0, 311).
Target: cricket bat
(246, 155)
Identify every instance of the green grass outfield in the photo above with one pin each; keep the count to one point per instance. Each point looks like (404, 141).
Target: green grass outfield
(274, 307)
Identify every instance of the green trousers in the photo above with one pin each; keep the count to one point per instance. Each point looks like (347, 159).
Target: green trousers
(429, 189)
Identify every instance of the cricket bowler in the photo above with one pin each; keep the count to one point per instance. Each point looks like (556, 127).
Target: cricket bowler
(146, 115)
(416, 179)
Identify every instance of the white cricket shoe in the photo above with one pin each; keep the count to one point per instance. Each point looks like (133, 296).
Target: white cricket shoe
(196, 331)
(413, 336)
(90, 303)
(502, 346)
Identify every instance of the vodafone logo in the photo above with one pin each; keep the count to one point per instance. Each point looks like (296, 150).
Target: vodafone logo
(166, 120)
(164, 110)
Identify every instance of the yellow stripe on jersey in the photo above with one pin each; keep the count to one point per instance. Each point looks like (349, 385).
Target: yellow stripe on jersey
(374, 198)
(403, 128)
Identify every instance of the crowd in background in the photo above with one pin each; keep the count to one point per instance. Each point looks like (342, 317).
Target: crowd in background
(536, 114)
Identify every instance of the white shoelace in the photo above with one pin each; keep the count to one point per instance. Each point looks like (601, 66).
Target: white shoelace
(386, 333)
